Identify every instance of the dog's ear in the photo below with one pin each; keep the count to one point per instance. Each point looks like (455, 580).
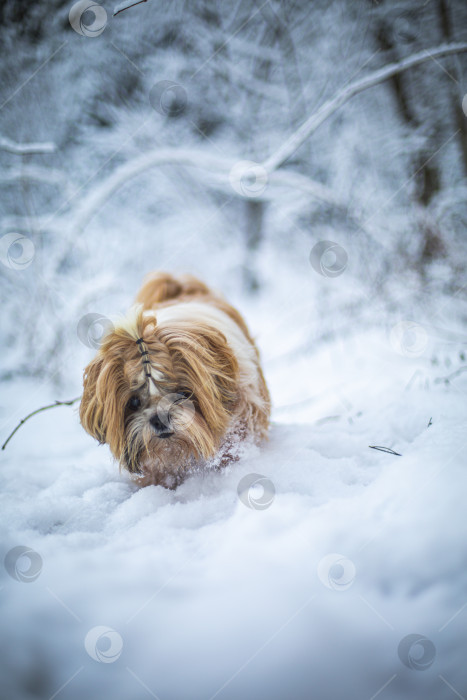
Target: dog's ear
(205, 363)
(221, 363)
(105, 395)
(91, 410)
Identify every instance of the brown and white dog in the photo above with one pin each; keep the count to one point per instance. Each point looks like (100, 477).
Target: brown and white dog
(176, 383)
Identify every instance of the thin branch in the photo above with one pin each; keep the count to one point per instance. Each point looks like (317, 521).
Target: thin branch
(22, 149)
(385, 449)
(39, 410)
(457, 373)
(284, 152)
(126, 6)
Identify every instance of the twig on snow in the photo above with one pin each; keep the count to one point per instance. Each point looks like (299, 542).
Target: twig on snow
(385, 449)
(126, 6)
(39, 410)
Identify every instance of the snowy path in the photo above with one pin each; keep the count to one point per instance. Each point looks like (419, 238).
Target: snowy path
(211, 599)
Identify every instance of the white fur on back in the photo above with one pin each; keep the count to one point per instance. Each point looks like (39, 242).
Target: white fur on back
(195, 311)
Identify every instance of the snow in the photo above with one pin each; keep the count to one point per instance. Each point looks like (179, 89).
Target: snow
(122, 592)
(205, 597)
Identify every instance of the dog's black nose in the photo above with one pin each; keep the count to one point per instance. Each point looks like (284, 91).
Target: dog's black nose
(162, 431)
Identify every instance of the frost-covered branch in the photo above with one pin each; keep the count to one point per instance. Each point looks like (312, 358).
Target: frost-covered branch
(137, 166)
(297, 181)
(34, 173)
(218, 168)
(22, 149)
(332, 105)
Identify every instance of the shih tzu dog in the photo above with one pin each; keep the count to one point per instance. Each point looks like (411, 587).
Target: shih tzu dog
(175, 384)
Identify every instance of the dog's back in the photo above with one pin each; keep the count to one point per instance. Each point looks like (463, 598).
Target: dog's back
(161, 287)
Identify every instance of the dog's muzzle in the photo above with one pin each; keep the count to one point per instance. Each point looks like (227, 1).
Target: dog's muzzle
(161, 430)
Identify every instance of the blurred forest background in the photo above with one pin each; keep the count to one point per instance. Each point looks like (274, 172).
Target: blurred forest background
(159, 138)
(199, 88)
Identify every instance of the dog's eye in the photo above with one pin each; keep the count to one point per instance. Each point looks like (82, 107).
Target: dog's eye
(133, 404)
(185, 393)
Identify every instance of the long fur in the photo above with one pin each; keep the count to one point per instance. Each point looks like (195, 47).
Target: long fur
(175, 398)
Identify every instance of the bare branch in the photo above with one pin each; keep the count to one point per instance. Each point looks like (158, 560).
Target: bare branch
(126, 6)
(330, 106)
(453, 375)
(22, 149)
(385, 449)
(39, 410)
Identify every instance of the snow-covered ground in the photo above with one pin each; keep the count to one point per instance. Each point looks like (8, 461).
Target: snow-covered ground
(341, 573)
(191, 594)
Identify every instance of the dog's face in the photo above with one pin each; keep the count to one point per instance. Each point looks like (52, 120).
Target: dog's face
(160, 396)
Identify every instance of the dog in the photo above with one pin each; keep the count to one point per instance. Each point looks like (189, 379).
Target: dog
(176, 384)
